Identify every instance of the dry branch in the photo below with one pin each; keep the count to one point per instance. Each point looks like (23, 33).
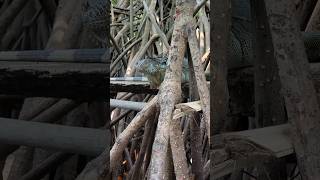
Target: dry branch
(202, 87)
(131, 129)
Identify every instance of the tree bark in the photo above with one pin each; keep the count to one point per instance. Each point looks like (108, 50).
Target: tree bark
(297, 87)
(169, 95)
(135, 124)
(200, 78)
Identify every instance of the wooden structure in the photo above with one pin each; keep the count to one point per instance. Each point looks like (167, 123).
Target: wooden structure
(56, 55)
(131, 86)
(75, 74)
(282, 63)
(274, 138)
(80, 75)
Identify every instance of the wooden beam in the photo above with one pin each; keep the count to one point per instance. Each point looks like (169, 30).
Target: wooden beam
(132, 86)
(48, 79)
(275, 139)
(54, 55)
(229, 166)
(76, 140)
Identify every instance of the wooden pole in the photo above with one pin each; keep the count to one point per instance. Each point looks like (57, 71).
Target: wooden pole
(219, 69)
(137, 106)
(77, 140)
(269, 104)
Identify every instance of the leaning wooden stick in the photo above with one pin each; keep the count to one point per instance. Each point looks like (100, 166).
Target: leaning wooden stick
(123, 139)
(199, 73)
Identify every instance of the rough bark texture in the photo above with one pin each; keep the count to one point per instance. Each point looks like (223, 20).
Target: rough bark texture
(169, 95)
(124, 137)
(298, 90)
(178, 151)
(200, 78)
(195, 131)
(137, 172)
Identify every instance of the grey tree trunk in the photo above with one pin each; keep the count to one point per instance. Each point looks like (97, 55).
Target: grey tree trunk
(297, 87)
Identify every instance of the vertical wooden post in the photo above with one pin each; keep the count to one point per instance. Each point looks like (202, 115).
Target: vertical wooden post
(220, 25)
(297, 87)
(220, 31)
(269, 105)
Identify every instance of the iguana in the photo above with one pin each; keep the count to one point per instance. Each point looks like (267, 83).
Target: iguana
(154, 71)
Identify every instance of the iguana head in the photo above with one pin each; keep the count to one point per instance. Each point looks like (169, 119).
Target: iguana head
(153, 68)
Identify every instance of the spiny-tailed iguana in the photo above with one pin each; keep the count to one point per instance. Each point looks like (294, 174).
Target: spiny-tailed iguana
(154, 70)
